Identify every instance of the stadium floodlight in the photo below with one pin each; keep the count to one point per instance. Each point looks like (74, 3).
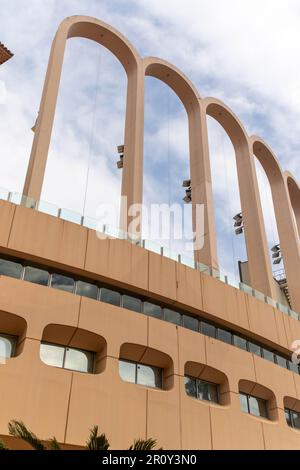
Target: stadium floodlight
(275, 248)
(239, 230)
(121, 148)
(120, 162)
(277, 261)
(186, 183)
(238, 216)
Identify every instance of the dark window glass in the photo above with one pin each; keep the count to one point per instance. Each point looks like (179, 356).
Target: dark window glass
(208, 329)
(258, 407)
(58, 281)
(295, 416)
(281, 361)
(190, 386)
(224, 335)
(268, 355)
(172, 316)
(254, 348)
(191, 323)
(127, 371)
(10, 268)
(132, 303)
(152, 310)
(86, 289)
(149, 376)
(293, 367)
(36, 275)
(244, 403)
(81, 361)
(207, 391)
(240, 342)
(288, 417)
(110, 296)
(7, 346)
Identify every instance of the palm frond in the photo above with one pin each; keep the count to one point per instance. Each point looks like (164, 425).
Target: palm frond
(143, 444)
(18, 429)
(3, 446)
(96, 442)
(53, 444)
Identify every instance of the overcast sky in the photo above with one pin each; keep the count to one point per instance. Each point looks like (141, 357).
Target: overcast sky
(245, 53)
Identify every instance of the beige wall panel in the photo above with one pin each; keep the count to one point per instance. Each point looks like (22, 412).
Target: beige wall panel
(234, 362)
(191, 348)
(163, 416)
(163, 336)
(292, 328)
(195, 422)
(97, 255)
(162, 276)
(35, 393)
(277, 379)
(229, 303)
(117, 407)
(281, 330)
(115, 324)
(262, 319)
(48, 237)
(49, 305)
(279, 436)
(188, 286)
(7, 211)
(233, 429)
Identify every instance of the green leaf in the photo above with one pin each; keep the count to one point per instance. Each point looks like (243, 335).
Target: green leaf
(143, 444)
(18, 429)
(96, 442)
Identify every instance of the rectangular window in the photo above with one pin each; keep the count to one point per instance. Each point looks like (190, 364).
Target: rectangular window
(81, 361)
(281, 361)
(7, 345)
(190, 386)
(172, 316)
(149, 376)
(52, 354)
(207, 391)
(295, 416)
(65, 283)
(127, 371)
(293, 367)
(152, 310)
(140, 374)
(86, 289)
(191, 323)
(224, 335)
(201, 389)
(110, 296)
(288, 417)
(253, 405)
(254, 348)
(240, 342)
(10, 268)
(132, 303)
(208, 329)
(268, 355)
(36, 275)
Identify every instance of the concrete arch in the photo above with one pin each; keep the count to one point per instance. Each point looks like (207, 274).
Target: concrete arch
(95, 30)
(199, 161)
(260, 272)
(283, 212)
(294, 193)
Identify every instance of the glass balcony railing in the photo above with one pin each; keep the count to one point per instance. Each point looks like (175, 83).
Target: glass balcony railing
(149, 245)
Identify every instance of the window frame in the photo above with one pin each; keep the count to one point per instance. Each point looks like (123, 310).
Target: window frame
(65, 348)
(248, 396)
(206, 382)
(136, 364)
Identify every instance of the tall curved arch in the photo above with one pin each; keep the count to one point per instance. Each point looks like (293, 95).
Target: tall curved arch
(199, 160)
(260, 272)
(287, 231)
(294, 193)
(95, 30)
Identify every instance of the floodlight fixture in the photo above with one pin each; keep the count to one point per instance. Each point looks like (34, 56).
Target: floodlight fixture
(187, 199)
(238, 222)
(277, 261)
(276, 255)
(120, 162)
(275, 248)
(121, 148)
(239, 230)
(238, 216)
(186, 183)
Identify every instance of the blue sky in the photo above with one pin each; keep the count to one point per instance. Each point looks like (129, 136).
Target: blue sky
(244, 53)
